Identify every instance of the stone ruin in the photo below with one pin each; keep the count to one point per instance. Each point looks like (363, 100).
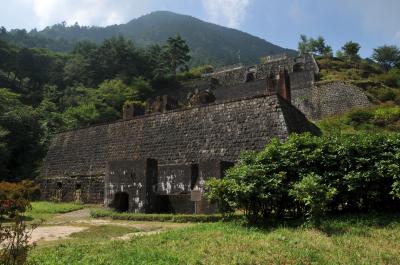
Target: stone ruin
(315, 100)
(158, 157)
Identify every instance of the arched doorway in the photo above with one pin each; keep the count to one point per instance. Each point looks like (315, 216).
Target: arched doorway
(250, 77)
(121, 202)
(298, 67)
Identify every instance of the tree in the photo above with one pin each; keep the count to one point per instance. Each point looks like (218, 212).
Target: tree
(116, 57)
(316, 46)
(387, 56)
(304, 45)
(350, 50)
(176, 53)
(22, 135)
(80, 116)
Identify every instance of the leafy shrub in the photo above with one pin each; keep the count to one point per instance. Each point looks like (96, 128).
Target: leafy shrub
(15, 197)
(314, 194)
(391, 78)
(15, 235)
(358, 117)
(14, 239)
(195, 72)
(385, 116)
(222, 194)
(385, 94)
(301, 175)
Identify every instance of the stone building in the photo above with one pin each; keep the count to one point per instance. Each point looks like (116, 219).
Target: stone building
(158, 157)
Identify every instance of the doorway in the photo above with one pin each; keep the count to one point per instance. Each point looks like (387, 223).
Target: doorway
(121, 202)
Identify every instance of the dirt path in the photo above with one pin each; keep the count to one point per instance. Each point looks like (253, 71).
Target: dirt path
(83, 214)
(63, 225)
(51, 233)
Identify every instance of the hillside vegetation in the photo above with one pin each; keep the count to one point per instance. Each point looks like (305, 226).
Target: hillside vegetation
(209, 43)
(382, 88)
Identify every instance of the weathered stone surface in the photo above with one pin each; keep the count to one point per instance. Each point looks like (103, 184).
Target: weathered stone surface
(216, 131)
(86, 188)
(329, 99)
(241, 82)
(176, 179)
(102, 158)
(137, 179)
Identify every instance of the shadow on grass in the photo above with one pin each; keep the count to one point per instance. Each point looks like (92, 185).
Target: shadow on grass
(358, 224)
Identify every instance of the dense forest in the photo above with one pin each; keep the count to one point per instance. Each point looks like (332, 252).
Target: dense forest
(43, 92)
(209, 43)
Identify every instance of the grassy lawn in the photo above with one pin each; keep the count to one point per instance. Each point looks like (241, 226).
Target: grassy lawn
(178, 218)
(345, 240)
(45, 210)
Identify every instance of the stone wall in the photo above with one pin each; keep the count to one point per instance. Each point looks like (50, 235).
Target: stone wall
(87, 188)
(264, 71)
(300, 80)
(329, 99)
(234, 92)
(176, 182)
(136, 178)
(176, 179)
(216, 131)
(231, 77)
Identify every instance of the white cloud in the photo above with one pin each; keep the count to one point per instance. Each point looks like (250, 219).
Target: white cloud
(87, 12)
(226, 12)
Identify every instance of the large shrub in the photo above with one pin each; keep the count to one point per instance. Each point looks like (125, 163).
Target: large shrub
(14, 232)
(310, 175)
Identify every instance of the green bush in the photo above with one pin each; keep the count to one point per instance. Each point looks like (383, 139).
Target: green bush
(314, 194)
(385, 94)
(385, 116)
(221, 194)
(301, 175)
(359, 117)
(391, 78)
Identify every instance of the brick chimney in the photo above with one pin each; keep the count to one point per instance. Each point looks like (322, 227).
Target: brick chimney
(284, 85)
(161, 104)
(132, 110)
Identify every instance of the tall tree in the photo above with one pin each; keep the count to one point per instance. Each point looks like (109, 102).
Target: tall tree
(350, 50)
(387, 56)
(303, 45)
(21, 135)
(316, 46)
(176, 53)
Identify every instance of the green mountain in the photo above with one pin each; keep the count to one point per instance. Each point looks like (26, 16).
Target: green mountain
(209, 43)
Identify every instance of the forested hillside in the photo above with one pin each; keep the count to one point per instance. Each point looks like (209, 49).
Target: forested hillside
(43, 92)
(209, 43)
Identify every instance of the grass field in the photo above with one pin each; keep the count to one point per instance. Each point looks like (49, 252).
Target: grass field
(177, 218)
(345, 240)
(45, 210)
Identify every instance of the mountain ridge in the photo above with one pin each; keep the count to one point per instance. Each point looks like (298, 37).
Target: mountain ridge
(209, 43)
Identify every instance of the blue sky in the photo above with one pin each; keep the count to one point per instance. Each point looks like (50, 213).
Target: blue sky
(370, 22)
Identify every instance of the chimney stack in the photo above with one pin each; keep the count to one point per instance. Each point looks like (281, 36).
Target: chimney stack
(284, 85)
(132, 110)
